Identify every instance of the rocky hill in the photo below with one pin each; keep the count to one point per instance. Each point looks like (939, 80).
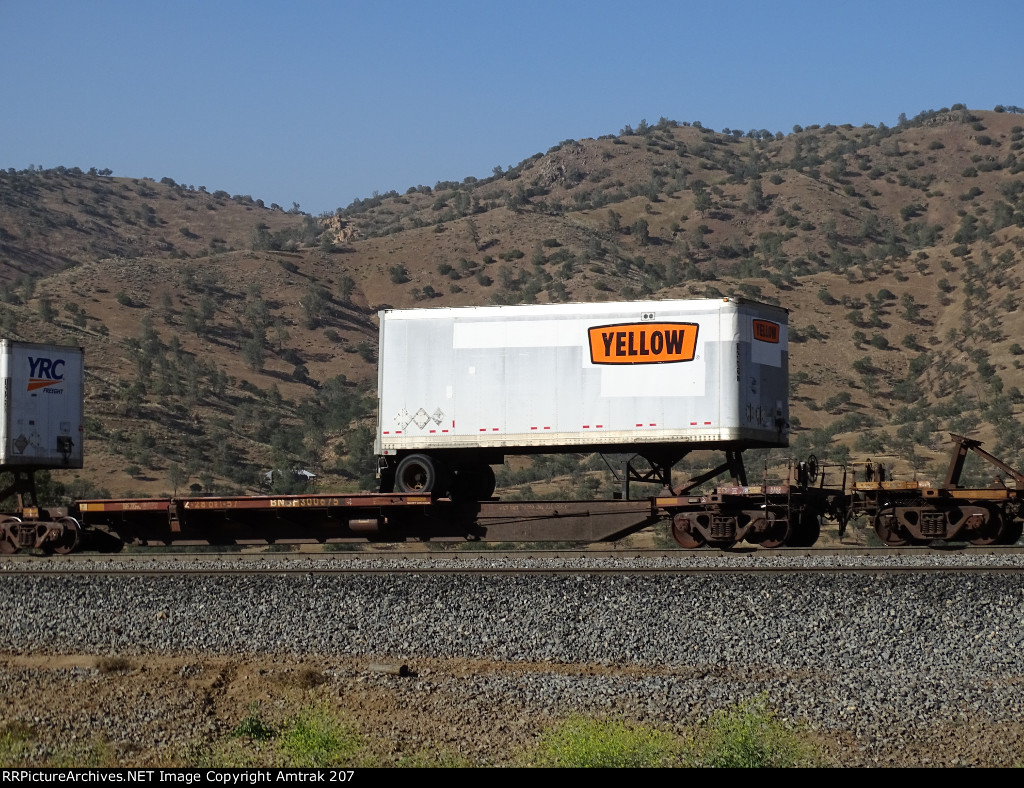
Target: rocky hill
(225, 337)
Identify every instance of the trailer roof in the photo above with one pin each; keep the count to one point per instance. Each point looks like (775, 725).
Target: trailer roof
(571, 310)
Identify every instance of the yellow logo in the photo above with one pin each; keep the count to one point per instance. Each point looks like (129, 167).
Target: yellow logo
(643, 343)
(766, 331)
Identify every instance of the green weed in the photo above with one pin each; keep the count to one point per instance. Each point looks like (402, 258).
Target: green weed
(747, 736)
(253, 727)
(581, 742)
(751, 736)
(312, 738)
(315, 738)
(15, 738)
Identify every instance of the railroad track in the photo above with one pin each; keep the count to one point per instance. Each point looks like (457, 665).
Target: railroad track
(528, 562)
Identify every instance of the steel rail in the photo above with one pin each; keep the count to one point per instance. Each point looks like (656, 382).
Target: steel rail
(460, 554)
(80, 571)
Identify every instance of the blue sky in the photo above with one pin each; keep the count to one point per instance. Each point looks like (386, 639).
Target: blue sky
(320, 102)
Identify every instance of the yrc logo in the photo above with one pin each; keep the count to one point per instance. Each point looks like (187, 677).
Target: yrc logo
(44, 372)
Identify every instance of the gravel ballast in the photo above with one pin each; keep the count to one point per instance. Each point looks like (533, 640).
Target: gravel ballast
(911, 668)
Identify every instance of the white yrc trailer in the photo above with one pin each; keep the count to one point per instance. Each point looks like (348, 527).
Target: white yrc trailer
(41, 419)
(460, 388)
(41, 427)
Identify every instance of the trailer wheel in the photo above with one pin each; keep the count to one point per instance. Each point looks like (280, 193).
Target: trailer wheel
(474, 483)
(485, 482)
(420, 473)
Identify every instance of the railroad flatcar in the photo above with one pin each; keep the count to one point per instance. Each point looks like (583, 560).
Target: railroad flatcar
(461, 389)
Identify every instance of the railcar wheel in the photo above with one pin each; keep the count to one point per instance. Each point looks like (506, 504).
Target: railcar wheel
(7, 545)
(71, 537)
(1012, 531)
(686, 536)
(776, 534)
(420, 473)
(806, 531)
(888, 530)
(992, 532)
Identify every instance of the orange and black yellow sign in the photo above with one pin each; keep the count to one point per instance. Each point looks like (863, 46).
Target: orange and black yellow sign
(766, 331)
(643, 343)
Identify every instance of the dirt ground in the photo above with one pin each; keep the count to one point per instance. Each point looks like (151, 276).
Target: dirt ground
(182, 711)
(81, 710)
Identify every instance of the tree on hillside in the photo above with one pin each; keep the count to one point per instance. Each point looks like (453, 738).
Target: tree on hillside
(641, 232)
(176, 476)
(315, 304)
(399, 274)
(701, 200)
(254, 352)
(474, 233)
(755, 196)
(259, 238)
(47, 312)
(346, 284)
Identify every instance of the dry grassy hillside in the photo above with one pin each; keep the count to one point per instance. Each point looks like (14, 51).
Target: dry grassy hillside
(225, 337)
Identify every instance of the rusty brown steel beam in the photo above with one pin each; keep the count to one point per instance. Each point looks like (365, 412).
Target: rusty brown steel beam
(963, 447)
(569, 521)
(375, 516)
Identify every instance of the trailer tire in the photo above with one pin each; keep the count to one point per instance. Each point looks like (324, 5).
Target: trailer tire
(485, 482)
(420, 473)
(474, 483)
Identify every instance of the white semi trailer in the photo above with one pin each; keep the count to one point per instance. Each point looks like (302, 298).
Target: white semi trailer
(461, 388)
(41, 427)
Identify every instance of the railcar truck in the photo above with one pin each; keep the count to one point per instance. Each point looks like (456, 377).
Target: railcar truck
(461, 388)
